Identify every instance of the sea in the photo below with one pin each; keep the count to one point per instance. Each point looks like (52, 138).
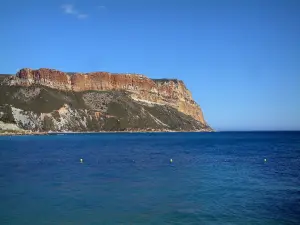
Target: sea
(217, 178)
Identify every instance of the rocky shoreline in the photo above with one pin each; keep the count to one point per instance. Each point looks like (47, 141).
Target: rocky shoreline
(19, 133)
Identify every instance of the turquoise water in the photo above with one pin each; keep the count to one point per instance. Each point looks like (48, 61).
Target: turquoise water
(215, 178)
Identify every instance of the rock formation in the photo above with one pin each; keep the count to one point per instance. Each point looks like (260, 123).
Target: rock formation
(159, 93)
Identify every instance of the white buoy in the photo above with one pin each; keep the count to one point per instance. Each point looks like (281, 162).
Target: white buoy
(81, 160)
(265, 160)
(171, 160)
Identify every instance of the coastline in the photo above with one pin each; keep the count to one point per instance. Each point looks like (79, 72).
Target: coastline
(25, 132)
(21, 133)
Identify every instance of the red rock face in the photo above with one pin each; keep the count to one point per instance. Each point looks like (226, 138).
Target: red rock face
(48, 77)
(142, 88)
(108, 81)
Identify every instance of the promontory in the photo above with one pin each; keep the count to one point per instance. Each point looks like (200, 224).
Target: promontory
(45, 100)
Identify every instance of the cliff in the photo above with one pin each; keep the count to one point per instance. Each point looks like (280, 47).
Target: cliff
(99, 96)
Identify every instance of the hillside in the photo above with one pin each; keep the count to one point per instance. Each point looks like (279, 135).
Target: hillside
(44, 100)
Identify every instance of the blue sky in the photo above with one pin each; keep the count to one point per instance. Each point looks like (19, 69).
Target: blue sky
(240, 59)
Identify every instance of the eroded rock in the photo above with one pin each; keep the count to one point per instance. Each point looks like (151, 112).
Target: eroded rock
(159, 91)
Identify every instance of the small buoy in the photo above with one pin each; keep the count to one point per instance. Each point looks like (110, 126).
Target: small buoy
(81, 160)
(265, 160)
(171, 160)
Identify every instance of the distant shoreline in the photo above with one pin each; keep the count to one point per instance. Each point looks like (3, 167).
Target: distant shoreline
(133, 132)
(22, 133)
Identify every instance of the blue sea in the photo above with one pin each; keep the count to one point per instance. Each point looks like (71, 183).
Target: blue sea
(128, 178)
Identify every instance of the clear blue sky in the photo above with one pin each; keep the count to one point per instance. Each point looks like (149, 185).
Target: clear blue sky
(240, 59)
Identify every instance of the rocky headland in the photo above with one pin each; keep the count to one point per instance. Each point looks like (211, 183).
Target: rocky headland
(50, 100)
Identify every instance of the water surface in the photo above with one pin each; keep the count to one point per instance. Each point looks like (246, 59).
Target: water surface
(215, 178)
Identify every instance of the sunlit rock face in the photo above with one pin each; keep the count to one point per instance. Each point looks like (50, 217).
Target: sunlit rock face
(170, 92)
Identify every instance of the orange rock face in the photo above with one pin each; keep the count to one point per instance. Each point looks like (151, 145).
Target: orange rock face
(48, 77)
(168, 92)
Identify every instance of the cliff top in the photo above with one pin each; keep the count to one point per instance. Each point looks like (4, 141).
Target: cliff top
(2, 76)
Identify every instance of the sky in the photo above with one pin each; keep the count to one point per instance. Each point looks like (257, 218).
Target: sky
(239, 58)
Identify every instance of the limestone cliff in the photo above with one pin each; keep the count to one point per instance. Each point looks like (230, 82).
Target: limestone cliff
(141, 88)
(51, 100)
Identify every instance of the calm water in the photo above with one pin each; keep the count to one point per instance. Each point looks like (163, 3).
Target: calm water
(215, 178)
